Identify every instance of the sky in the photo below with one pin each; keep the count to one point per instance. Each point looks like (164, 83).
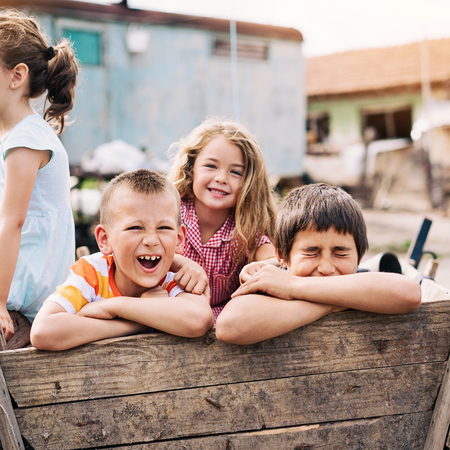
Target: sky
(328, 26)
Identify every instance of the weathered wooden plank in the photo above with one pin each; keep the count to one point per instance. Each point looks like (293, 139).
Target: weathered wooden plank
(140, 364)
(22, 329)
(441, 415)
(233, 408)
(21, 336)
(3, 345)
(403, 432)
(10, 437)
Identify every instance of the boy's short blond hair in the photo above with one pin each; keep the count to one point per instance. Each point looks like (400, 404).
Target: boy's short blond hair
(318, 207)
(141, 181)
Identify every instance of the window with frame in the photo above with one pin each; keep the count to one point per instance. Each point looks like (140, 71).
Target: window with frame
(318, 128)
(389, 124)
(317, 133)
(248, 50)
(87, 45)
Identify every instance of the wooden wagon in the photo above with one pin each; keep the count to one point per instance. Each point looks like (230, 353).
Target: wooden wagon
(352, 380)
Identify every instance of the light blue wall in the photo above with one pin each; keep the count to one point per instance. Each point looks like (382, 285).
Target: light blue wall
(152, 99)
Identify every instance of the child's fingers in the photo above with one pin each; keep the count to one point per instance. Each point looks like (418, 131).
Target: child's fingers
(193, 281)
(7, 326)
(244, 276)
(249, 287)
(196, 287)
(185, 281)
(181, 280)
(250, 269)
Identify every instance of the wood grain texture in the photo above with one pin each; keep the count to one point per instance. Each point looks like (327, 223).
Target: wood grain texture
(10, 438)
(141, 364)
(3, 345)
(240, 407)
(403, 432)
(22, 329)
(440, 421)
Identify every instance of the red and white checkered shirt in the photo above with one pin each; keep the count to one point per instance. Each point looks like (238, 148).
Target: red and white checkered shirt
(214, 256)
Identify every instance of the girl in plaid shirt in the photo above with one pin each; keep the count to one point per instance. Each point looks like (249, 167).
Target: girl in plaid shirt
(227, 206)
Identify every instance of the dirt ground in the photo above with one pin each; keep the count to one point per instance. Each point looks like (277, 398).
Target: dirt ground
(394, 231)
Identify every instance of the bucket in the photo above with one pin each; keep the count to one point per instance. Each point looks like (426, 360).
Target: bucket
(383, 262)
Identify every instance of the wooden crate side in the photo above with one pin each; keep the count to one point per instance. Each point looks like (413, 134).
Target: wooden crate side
(10, 437)
(233, 408)
(441, 415)
(152, 363)
(403, 432)
(21, 337)
(22, 329)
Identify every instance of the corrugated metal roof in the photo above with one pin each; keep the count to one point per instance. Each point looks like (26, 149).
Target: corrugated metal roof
(119, 12)
(376, 69)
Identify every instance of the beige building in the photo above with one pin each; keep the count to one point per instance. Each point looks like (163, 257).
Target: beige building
(397, 93)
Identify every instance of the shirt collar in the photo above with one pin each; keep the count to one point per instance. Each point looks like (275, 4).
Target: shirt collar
(224, 234)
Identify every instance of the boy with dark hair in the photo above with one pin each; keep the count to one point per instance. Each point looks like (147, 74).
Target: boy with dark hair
(126, 288)
(319, 233)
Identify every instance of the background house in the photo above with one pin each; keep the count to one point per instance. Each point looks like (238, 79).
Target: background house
(148, 78)
(389, 91)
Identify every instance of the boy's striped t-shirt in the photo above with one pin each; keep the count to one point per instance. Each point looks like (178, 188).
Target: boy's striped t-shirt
(92, 278)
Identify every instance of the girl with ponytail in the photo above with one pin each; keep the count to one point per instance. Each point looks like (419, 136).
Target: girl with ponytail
(37, 238)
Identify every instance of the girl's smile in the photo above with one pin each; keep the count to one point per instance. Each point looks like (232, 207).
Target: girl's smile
(218, 193)
(218, 173)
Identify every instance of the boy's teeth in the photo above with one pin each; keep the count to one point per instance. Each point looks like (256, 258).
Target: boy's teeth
(148, 258)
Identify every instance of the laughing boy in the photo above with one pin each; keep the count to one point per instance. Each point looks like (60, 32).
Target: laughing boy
(126, 288)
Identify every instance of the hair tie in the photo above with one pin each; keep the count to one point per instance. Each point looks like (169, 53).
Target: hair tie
(50, 53)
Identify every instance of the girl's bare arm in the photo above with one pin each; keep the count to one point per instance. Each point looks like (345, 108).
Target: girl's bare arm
(21, 165)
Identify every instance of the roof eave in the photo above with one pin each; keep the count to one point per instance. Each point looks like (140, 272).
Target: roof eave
(119, 12)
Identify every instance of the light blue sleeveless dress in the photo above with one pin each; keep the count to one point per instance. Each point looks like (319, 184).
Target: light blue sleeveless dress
(47, 246)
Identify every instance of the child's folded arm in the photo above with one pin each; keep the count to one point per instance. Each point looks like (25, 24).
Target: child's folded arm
(379, 292)
(186, 314)
(55, 329)
(253, 318)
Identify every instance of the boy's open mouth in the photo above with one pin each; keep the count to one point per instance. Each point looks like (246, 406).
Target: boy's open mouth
(149, 262)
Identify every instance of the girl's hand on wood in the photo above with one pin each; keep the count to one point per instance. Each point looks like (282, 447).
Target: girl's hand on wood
(6, 323)
(193, 279)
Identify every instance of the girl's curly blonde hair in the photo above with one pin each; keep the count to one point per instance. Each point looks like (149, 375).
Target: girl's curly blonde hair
(255, 207)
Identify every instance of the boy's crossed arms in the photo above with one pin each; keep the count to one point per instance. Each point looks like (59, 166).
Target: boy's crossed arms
(127, 287)
(320, 234)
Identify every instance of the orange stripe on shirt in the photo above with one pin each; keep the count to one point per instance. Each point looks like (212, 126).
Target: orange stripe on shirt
(169, 286)
(85, 270)
(73, 295)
